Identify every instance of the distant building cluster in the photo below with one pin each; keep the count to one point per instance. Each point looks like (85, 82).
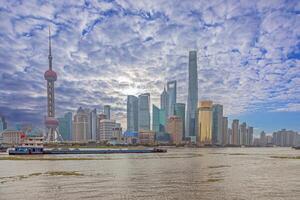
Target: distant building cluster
(282, 138)
(196, 122)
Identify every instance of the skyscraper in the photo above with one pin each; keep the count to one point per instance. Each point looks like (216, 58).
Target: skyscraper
(217, 123)
(180, 112)
(144, 112)
(164, 101)
(106, 129)
(235, 132)
(66, 126)
(250, 135)
(81, 126)
(3, 123)
(132, 113)
(93, 124)
(205, 120)
(172, 95)
(107, 111)
(52, 134)
(225, 130)
(158, 119)
(175, 129)
(243, 133)
(191, 125)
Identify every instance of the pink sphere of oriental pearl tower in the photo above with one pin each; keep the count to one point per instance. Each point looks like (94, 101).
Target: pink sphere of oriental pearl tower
(52, 134)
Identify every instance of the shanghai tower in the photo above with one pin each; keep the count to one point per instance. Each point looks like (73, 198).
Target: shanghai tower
(192, 100)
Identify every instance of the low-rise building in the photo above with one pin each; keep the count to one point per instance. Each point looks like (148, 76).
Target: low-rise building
(12, 137)
(131, 137)
(147, 137)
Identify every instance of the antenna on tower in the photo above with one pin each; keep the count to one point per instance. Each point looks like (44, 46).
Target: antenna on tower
(50, 55)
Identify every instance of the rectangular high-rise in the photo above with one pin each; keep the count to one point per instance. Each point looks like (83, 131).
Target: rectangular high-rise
(65, 126)
(179, 111)
(243, 133)
(144, 112)
(192, 101)
(217, 110)
(235, 132)
(205, 121)
(81, 126)
(158, 119)
(106, 111)
(172, 94)
(225, 130)
(93, 124)
(132, 113)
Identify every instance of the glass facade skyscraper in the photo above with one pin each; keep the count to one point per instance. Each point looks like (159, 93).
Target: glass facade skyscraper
(179, 111)
(164, 101)
(158, 119)
(205, 122)
(107, 111)
(172, 94)
(217, 110)
(65, 126)
(144, 112)
(93, 124)
(192, 101)
(132, 113)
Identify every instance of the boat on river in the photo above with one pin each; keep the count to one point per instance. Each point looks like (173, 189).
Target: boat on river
(34, 145)
(36, 150)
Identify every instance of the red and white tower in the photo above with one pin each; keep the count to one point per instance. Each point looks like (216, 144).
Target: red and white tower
(52, 134)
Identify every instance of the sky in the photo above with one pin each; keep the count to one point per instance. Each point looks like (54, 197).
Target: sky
(248, 56)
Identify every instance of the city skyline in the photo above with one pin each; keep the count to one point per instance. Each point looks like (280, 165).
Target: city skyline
(252, 77)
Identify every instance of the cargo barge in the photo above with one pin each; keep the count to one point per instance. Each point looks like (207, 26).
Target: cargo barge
(39, 150)
(34, 145)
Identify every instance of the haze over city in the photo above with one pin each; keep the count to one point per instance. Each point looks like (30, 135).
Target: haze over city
(248, 56)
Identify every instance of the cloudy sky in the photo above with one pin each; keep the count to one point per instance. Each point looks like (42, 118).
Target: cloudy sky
(248, 56)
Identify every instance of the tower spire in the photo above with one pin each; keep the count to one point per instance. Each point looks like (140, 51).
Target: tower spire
(50, 55)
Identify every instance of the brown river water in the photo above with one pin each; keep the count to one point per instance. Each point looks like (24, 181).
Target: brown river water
(182, 173)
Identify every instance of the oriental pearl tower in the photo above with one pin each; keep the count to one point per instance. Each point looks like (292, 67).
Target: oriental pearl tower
(52, 134)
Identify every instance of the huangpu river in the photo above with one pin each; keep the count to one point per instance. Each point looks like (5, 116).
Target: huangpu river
(182, 173)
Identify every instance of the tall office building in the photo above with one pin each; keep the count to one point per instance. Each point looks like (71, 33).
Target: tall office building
(235, 132)
(224, 130)
(106, 111)
(81, 126)
(263, 138)
(106, 129)
(172, 95)
(205, 122)
(217, 123)
(192, 101)
(132, 113)
(249, 136)
(144, 112)
(175, 128)
(3, 123)
(229, 136)
(164, 100)
(180, 112)
(158, 119)
(65, 126)
(93, 124)
(243, 133)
